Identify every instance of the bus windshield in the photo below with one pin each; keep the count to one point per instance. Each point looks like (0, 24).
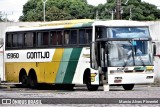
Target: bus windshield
(124, 53)
(128, 32)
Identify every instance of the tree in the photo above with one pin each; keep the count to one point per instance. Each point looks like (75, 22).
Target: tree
(56, 10)
(139, 10)
(79, 9)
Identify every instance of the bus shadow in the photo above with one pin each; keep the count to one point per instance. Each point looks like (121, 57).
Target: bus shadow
(69, 87)
(66, 87)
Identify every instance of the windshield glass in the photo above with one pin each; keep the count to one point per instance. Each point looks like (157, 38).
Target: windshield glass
(125, 53)
(128, 32)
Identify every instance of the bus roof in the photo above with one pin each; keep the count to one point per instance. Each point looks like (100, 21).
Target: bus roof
(75, 24)
(54, 25)
(119, 23)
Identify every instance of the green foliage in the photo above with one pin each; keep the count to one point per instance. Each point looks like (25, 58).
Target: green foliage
(56, 10)
(79, 9)
(139, 10)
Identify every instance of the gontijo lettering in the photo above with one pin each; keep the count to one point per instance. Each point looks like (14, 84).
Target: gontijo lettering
(38, 55)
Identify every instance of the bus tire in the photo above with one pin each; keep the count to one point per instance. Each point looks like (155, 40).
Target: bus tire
(128, 86)
(87, 81)
(24, 80)
(33, 81)
(91, 87)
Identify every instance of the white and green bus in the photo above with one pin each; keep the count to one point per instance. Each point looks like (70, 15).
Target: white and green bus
(79, 52)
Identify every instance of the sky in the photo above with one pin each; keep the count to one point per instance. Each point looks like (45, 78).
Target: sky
(13, 8)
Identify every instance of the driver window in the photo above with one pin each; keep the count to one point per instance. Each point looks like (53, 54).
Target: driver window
(101, 32)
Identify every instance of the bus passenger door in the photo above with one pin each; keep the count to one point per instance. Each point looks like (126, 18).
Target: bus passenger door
(99, 60)
(94, 55)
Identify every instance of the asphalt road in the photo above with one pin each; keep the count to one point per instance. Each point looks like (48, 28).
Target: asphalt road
(141, 95)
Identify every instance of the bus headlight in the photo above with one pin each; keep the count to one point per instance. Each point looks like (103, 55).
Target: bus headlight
(149, 70)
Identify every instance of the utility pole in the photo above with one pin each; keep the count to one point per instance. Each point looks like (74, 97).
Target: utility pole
(44, 10)
(5, 14)
(112, 12)
(118, 9)
(97, 15)
(130, 11)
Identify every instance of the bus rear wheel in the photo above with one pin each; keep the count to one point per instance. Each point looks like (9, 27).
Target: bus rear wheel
(33, 81)
(128, 86)
(24, 80)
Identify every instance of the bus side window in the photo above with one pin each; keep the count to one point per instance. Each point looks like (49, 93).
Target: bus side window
(9, 40)
(39, 37)
(88, 35)
(28, 39)
(73, 37)
(45, 38)
(15, 40)
(82, 38)
(59, 37)
(66, 37)
(34, 39)
(20, 40)
(101, 32)
(53, 38)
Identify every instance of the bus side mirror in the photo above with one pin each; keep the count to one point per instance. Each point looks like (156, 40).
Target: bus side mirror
(154, 49)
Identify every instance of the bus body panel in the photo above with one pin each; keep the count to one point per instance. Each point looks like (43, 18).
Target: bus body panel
(128, 75)
(83, 65)
(133, 78)
(13, 70)
(63, 66)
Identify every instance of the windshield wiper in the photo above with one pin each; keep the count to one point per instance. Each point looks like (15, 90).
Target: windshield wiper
(141, 60)
(128, 57)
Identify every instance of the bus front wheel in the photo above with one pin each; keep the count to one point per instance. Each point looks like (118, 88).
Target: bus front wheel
(91, 87)
(128, 86)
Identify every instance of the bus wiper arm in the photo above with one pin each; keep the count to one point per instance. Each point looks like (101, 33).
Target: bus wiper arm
(126, 62)
(141, 60)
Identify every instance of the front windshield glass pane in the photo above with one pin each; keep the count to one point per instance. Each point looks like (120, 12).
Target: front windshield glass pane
(128, 32)
(125, 53)
(141, 53)
(120, 54)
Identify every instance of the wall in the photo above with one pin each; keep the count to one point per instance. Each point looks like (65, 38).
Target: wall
(155, 32)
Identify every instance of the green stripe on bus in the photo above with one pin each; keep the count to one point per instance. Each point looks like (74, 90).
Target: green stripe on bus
(74, 58)
(89, 24)
(63, 65)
